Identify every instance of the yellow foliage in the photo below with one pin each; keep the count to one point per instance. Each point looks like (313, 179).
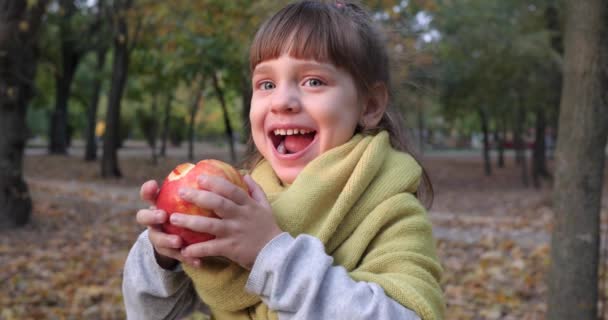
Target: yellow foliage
(24, 26)
(100, 128)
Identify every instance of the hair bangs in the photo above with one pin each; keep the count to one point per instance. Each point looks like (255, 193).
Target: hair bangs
(306, 30)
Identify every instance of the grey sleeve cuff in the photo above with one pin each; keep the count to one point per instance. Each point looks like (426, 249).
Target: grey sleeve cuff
(264, 269)
(170, 280)
(296, 278)
(151, 292)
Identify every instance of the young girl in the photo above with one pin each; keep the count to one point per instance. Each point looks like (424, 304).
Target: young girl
(333, 228)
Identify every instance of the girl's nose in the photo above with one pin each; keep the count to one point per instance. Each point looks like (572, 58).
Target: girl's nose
(285, 99)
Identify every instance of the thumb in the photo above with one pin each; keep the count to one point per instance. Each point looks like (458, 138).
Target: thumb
(149, 191)
(256, 191)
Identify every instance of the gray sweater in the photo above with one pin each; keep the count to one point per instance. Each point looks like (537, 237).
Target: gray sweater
(293, 276)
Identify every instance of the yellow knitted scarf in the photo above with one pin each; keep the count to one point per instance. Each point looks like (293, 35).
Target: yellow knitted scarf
(358, 200)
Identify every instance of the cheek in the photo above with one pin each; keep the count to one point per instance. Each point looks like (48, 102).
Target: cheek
(256, 116)
(256, 120)
(339, 128)
(341, 117)
(346, 107)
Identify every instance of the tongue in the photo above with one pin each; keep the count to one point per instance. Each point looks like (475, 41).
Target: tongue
(298, 142)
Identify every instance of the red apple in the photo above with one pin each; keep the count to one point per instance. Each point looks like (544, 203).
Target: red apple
(185, 175)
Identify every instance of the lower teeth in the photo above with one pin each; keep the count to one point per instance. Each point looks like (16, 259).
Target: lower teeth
(281, 148)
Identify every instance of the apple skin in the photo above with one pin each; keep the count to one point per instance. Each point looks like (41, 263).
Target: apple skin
(185, 175)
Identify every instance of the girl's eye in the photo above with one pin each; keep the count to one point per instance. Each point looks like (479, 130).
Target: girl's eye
(314, 82)
(266, 85)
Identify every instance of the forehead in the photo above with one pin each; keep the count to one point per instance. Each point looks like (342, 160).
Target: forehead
(287, 61)
(298, 48)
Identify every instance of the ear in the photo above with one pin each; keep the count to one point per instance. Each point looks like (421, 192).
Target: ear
(375, 106)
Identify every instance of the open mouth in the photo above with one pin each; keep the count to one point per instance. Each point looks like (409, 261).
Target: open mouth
(291, 141)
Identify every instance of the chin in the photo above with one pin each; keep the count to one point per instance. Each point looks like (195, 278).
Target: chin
(287, 175)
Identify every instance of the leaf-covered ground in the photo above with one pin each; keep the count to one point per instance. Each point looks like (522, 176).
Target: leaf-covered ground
(493, 236)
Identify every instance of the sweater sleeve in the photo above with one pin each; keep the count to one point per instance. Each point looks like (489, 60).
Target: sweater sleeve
(151, 292)
(295, 277)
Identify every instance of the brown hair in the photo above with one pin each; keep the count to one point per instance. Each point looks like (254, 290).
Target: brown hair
(341, 33)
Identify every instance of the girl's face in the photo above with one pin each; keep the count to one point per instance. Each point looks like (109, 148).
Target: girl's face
(300, 109)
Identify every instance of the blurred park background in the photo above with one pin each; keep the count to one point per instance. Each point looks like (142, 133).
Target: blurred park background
(97, 97)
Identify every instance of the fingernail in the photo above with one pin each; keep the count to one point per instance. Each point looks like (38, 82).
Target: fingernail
(175, 218)
(202, 178)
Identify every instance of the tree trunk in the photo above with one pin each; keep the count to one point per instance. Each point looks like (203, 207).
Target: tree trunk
(539, 158)
(518, 128)
(109, 161)
(192, 124)
(18, 60)
(70, 58)
(421, 129)
(555, 77)
(165, 131)
(500, 149)
(580, 156)
(227, 125)
(154, 131)
(91, 147)
(59, 139)
(520, 144)
(247, 92)
(501, 146)
(483, 117)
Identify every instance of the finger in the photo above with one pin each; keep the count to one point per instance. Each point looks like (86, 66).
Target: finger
(195, 262)
(224, 188)
(171, 253)
(148, 217)
(211, 248)
(209, 200)
(161, 240)
(256, 192)
(148, 191)
(177, 255)
(212, 226)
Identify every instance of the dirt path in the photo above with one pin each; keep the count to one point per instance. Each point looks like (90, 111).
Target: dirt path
(471, 229)
(115, 198)
(459, 227)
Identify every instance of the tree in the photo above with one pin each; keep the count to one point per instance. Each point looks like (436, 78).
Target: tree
(100, 48)
(580, 156)
(219, 91)
(19, 26)
(499, 77)
(70, 56)
(123, 44)
(197, 92)
(212, 46)
(90, 153)
(165, 129)
(79, 30)
(539, 165)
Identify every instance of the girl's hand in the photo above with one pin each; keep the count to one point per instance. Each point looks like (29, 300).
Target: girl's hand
(166, 246)
(247, 223)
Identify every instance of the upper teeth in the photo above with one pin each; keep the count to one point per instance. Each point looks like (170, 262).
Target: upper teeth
(288, 132)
